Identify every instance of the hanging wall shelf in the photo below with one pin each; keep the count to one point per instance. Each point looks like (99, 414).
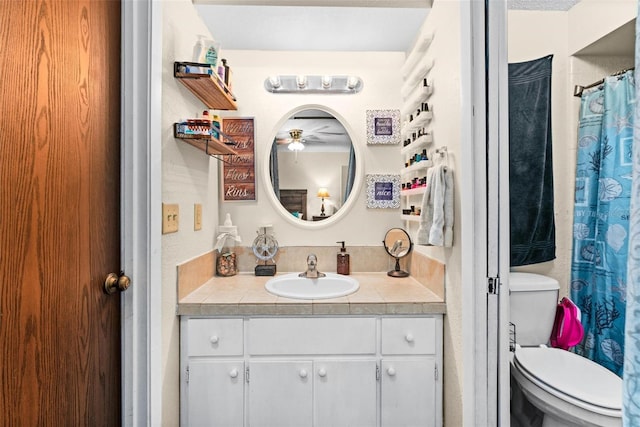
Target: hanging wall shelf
(210, 145)
(207, 88)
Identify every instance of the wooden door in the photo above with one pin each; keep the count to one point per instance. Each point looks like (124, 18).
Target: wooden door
(59, 212)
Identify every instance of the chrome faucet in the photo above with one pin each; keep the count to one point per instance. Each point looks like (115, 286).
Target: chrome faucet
(312, 268)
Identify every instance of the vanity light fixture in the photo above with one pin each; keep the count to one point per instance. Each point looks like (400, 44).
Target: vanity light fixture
(306, 84)
(323, 193)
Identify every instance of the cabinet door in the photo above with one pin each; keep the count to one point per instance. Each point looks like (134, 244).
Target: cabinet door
(216, 393)
(345, 393)
(408, 393)
(280, 394)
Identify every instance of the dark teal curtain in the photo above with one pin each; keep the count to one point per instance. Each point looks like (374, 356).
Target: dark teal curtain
(273, 169)
(351, 174)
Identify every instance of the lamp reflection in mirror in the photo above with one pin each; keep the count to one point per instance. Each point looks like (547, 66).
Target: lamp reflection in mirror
(323, 193)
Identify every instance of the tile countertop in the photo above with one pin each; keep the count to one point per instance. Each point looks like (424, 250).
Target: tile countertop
(244, 294)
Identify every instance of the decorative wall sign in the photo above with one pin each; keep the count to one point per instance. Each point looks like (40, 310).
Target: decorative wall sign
(239, 172)
(383, 126)
(383, 191)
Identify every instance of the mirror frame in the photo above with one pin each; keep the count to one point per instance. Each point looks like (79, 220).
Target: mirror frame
(357, 183)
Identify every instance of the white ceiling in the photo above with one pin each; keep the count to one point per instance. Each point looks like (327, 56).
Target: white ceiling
(327, 25)
(313, 28)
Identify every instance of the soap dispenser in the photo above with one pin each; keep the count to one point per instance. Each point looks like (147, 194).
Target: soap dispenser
(344, 266)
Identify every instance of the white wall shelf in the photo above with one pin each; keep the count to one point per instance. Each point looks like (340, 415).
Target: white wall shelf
(420, 71)
(421, 46)
(417, 97)
(422, 165)
(422, 142)
(416, 69)
(418, 122)
(413, 191)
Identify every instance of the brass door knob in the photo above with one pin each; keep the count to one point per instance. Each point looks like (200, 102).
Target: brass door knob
(116, 283)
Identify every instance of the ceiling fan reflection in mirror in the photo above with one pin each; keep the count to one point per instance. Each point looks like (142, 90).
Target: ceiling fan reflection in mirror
(295, 143)
(322, 132)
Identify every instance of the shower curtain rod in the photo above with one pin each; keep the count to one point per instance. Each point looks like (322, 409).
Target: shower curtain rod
(577, 89)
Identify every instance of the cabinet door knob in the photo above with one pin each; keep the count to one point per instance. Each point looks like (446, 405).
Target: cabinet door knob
(391, 371)
(303, 373)
(233, 373)
(322, 372)
(409, 337)
(214, 339)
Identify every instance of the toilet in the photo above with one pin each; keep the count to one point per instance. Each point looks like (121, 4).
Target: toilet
(568, 389)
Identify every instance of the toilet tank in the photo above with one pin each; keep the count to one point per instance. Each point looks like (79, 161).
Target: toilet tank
(532, 307)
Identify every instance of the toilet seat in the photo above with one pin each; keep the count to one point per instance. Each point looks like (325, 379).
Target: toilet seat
(572, 378)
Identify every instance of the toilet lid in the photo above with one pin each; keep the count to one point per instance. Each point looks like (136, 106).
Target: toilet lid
(572, 375)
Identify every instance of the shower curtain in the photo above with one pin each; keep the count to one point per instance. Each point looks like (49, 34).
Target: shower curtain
(631, 376)
(601, 217)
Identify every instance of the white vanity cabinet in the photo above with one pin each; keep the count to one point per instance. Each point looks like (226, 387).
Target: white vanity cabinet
(409, 390)
(311, 371)
(312, 393)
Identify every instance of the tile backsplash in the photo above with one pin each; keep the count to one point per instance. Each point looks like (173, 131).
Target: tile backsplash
(364, 259)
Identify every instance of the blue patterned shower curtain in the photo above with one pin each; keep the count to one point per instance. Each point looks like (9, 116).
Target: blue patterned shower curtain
(601, 217)
(631, 377)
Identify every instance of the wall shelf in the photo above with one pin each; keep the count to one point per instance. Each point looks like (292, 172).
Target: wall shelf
(419, 72)
(420, 95)
(422, 142)
(210, 145)
(416, 69)
(419, 48)
(413, 191)
(422, 165)
(418, 122)
(207, 88)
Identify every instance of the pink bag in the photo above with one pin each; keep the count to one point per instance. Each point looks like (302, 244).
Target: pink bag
(567, 329)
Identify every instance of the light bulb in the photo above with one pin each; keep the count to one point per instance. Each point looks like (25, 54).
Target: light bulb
(302, 81)
(326, 82)
(275, 81)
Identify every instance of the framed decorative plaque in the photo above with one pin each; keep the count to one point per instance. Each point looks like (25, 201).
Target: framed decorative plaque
(239, 171)
(383, 127)
(383, 191)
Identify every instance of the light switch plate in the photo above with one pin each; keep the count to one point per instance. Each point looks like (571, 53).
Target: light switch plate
(197, 216)
(170, 218)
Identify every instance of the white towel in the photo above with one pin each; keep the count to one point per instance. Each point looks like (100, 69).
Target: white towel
(448, 208)
(436, 216)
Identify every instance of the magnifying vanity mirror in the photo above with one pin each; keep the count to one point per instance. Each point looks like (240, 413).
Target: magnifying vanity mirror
(311, 167)
(398, 244)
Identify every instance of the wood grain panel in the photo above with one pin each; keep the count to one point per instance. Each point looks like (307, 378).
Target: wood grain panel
(59, 212)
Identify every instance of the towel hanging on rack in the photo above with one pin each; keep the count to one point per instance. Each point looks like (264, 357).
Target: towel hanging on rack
(436, 216)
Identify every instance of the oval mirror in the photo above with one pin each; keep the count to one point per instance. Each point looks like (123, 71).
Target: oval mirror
(312, 167)
(398, 244)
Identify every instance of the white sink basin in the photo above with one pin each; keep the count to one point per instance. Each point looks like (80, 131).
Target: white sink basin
(331, 286)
